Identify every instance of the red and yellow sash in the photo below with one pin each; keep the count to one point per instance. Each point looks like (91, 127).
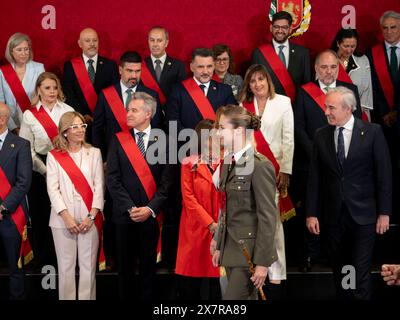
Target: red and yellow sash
(117, 106)
(16, 87)
(383, 74)
(316, 94)
(84, 82)
(279, 70)
(46, 121)
(142, 169)
(151, 83)
(19, 219)
(199, 99)
(83, 188)
(286, 207)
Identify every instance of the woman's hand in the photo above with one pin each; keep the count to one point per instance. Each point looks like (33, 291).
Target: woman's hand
(70, 222)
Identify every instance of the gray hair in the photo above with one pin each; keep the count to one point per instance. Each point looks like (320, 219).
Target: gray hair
(149, 102)
(324, 52)
(389, 14)
(348, 97)
(15, 40)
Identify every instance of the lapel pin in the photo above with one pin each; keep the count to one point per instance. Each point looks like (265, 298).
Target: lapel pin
(362, 133)
(169, 63)
(101, 62)
(155, 138)
(214, 88)
(12, 145)
(292, 50)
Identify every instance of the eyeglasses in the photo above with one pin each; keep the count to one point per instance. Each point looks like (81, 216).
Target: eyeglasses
(78, 126)
(284, 28)
(221, 60)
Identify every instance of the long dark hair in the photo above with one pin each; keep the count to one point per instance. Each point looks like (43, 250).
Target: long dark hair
(342, 34)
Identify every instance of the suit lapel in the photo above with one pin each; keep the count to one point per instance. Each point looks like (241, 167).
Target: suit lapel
(167, 66)
(99, 70)
(332, 149)
(292, 58)
(149, 64)
(356, 136)
(8, 148)
(212, 93)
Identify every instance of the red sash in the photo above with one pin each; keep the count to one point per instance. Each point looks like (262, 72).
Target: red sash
(117, 106)
(16, 87)
(199, 99)
(19, 220)
(316, 94)
(216, 78)
(84, 82)
(142, 169)
(286, 207)
(151, 83)
(45, 120)
(382, 72)
(343, 75)
(279, 70)
(83, 188)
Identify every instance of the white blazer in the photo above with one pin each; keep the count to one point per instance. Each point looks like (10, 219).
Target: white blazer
(277, 126)
(62, 193)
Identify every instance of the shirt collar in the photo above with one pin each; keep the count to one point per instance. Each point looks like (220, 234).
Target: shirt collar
(85, 58)
(277, 44)
(207, 84)
(162, 59)
(3, 136)
(240, 153)
(124, 87)
(388, 45)
(348, 125)
(146, 131)
(39, 104)
(323, 85)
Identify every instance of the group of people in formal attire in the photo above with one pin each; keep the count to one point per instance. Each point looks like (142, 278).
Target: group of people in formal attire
(99, 157)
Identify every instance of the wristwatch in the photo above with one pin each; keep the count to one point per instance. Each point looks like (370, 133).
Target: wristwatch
(91, 217)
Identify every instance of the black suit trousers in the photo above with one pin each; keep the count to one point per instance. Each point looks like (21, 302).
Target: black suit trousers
(349, 243)
(137, 245)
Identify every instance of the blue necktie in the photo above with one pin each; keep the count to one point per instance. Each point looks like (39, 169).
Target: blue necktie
(140, 142)
(340, 148)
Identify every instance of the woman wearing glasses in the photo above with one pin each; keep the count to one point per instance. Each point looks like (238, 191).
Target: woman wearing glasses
(225, 68)
(75, 184)
(39, 126)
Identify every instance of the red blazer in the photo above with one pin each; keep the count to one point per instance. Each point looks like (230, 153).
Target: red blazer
(200, 209)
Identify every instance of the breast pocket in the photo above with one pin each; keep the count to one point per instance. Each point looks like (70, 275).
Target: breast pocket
(239, 190)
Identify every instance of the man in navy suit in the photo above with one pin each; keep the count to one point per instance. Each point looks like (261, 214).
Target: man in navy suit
(308, 117)
(105, 73)
(105, 125)
(349, 190)
(16, 164)
(182, 108)
(134, 213)
(172, 70)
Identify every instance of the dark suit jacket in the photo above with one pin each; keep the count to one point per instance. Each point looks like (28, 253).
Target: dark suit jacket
(298, 68)
(181, 107)
(308, 117)
(106, 75)
(251, 212)
(365, 185)
(173, 72)
(104, 123)
(124, 185)
(16, 162)
(381, 106)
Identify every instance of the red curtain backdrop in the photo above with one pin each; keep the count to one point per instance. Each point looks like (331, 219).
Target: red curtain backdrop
(123, 25)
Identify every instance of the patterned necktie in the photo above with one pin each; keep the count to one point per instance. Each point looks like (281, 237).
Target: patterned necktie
(281, 55)
(158, 69)
(91, 70)
(203, 88)
(128, 97)
(140, 142)
(394, 64)
(340, 148)
(326, 89)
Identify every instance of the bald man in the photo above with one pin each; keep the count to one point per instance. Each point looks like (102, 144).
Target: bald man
(16, 171)
(87, 72)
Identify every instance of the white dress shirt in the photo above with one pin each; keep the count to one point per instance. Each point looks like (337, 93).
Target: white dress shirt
(33, 131)
(389, 50)
(86, 59)
(347, 132)
(285, 49)
(146, 137)
(323, 86)
(162, 59)
(124, 93)
(206, 84)
(2, 138)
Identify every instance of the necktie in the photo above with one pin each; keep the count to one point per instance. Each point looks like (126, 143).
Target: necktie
(1, 144)
(91, 70)
(281, 55)
(158, 69)
(203, 88)
(326, 89)
(340, 148)
(140, 142)
(128, 97)
(394, 64)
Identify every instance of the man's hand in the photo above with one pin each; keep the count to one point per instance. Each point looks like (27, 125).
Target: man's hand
(140, 214)
(382, 224)
(259, 276)
(313, 225)
(391, 274)
(389, 119)
(88, 119)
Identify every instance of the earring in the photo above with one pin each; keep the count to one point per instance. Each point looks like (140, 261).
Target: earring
(65, 135)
